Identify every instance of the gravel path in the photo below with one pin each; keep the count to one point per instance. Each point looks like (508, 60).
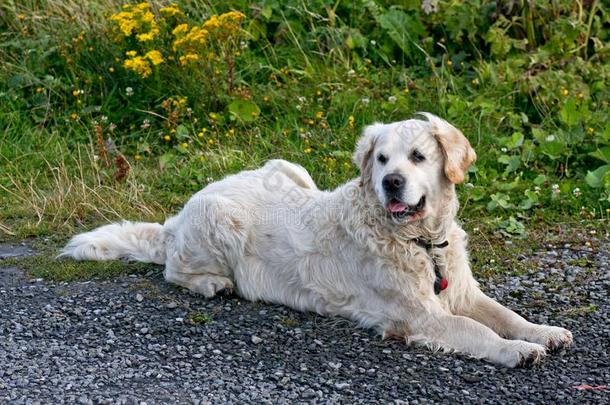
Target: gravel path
(137, 339)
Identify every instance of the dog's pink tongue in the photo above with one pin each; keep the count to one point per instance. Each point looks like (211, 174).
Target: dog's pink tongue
(396, 206)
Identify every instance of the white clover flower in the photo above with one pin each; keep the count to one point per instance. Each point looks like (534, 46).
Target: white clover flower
(555, 189)
(351, 73)
(373, 42)
(504, 150)
(550, 138)
(145, 124)
(576, 192)
(365, 100)
(430, 6)
(392, 100)
(302, 99)
(537, 190)
(129, 91)
(104, 118)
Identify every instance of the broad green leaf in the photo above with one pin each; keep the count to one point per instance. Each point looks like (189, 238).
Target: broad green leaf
(267, 11)
(245, 110)
(526, 204)
(515, 140)
(595, 178)
(405, 30)
(166, 159)
(602, 154)
(540, 179)
(606, 133)
(553, 149)
(182, 132)
(569, 113)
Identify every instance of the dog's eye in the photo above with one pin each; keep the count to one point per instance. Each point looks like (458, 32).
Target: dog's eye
(383, 159)
(417, 157)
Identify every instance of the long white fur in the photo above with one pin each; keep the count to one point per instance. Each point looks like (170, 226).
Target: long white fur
(273, 236)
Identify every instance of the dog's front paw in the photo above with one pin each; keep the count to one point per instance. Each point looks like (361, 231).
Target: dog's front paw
(518, 353)
(552, 337)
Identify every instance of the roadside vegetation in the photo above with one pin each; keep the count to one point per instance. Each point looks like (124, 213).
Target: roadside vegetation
(111, 110)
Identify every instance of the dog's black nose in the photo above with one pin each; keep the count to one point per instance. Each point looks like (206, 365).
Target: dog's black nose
(393, 182)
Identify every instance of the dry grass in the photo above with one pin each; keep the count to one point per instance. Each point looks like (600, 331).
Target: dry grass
(53, 13)
(62, 198)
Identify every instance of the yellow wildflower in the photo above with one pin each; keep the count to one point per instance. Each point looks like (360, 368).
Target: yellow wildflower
(180, 29)
(184, 145)
(170, 11)
(155, 57)
(188, 58)
(75, 93)
(74, 116)
(307, 150)
(565, 92)
(137, 157)
(138, 20)
(131, 54)
(138, 65)
(39, 90)
(190, 41)
(148, 36)
(319, 115)
(590, 130)
(225, 25)
(111, 69)
(350, 121)
(167, 138)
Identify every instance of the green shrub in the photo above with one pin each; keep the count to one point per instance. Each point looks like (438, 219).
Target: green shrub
(203, 89)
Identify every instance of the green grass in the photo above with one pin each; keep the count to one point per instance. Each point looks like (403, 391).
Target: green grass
(537, 116)
(46, 266)
(199, 318)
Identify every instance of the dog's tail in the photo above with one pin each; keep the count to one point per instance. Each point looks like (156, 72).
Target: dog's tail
(140, 241)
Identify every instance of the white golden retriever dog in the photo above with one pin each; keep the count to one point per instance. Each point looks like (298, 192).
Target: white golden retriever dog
(384, 249)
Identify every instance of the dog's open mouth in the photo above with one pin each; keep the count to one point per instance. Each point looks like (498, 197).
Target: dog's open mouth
(400, 210)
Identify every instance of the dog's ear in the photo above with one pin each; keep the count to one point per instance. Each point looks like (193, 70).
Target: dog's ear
(364, 151)
(457, 151)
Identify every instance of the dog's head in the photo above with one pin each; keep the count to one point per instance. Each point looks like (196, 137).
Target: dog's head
(410, 164)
